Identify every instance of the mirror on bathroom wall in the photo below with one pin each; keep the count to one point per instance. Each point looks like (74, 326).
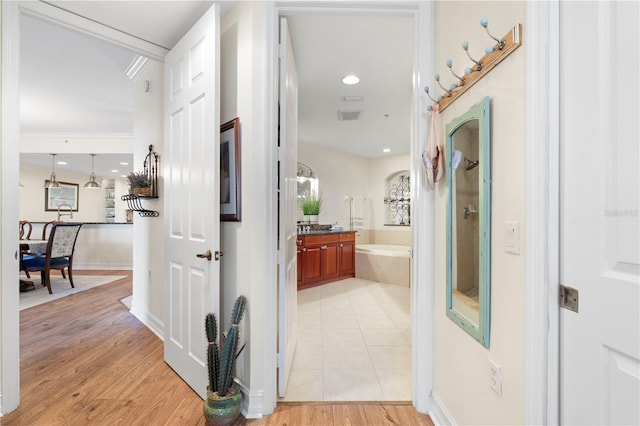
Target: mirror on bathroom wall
(307, 183)
(468, 172)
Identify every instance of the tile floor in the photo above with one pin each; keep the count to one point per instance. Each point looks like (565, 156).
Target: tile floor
(354, 343)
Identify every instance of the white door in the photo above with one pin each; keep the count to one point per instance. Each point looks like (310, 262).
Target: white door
(191, 177)
(600, 232)
(287, 209)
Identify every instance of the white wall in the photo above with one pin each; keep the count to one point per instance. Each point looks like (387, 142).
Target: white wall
(148, 233)
(248, 265)
(341, 175)
(91, 202)
(461, 365)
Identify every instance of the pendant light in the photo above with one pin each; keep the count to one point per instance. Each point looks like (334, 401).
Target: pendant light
(92, 184)
(52, 183)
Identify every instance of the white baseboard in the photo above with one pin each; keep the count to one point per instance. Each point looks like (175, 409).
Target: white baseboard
(252, 402)
(149, 320)
(98, 266)
(439, 413)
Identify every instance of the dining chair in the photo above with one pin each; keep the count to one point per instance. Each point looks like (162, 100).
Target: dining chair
(46, 230)
(59, 254)
(25, 230)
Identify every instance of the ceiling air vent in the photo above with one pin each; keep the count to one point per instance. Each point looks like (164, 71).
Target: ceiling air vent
(348, 115)
(352, 98)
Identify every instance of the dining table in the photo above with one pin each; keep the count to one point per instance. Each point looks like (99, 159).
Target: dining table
(33, 247)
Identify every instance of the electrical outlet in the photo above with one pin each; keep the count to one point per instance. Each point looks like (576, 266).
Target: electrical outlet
(495, 377)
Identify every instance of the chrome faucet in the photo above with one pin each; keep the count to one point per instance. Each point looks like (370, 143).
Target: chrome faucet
(60, 214)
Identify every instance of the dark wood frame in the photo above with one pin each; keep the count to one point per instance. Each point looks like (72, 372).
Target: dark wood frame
(48, 207)
(230, 211)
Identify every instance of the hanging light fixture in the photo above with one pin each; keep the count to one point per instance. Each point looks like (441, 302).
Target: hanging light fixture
(92, 184)
(52, 183)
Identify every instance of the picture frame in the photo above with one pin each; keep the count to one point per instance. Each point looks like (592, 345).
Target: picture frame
(230, 176)
(67, 193)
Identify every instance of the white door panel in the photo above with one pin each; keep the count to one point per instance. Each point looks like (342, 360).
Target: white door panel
(600, 232)
(192, 136)
(287, 256)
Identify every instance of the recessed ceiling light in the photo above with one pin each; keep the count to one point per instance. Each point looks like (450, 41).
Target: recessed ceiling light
(350, 79)
(122, 163)
(386, 150)
(114, 171)
(62, 163)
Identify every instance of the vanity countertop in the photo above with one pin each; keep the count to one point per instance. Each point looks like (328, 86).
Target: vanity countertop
(325, 232)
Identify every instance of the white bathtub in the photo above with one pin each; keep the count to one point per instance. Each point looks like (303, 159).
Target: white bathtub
(385, 263)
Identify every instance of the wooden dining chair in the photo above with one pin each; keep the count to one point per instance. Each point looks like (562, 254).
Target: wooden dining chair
(59, 254)
(46, 229)
(25, 230)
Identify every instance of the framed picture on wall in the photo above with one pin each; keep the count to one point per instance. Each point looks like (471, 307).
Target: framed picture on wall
(230, 171)
(65, 195)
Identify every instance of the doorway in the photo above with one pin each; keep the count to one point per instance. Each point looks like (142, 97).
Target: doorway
(340, 317)
(11, 14)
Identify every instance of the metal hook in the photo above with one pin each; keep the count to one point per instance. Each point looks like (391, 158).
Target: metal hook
(426, 90)
(448, 92)
(484, 22)
(450, 65)
(465, 46)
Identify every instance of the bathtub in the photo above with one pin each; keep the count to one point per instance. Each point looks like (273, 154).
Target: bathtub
(384, 263)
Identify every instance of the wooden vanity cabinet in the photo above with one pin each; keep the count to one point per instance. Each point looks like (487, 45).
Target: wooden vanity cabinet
(347, 255)
(325, 258)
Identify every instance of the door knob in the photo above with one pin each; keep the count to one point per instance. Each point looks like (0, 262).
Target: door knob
(206, 255)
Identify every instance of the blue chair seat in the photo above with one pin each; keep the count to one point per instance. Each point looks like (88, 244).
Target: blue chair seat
(33, 262)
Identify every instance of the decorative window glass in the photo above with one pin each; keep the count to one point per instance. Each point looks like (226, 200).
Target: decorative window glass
(397, 200)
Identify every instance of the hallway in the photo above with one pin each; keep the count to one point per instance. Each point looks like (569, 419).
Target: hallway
(353, 332)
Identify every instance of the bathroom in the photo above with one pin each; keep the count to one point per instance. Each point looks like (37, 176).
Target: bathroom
(357, 327)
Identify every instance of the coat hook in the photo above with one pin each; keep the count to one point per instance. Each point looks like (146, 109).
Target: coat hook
(448, 92)
(450, 64)
(426, 90)
(484, 22)
(465, 46)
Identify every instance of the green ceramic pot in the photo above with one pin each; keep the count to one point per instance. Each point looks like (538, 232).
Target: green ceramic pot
(222, 411)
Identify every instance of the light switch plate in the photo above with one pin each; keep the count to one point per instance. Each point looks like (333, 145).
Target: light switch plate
(512, 237)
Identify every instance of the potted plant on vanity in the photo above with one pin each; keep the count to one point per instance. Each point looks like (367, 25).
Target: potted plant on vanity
(311, 206)
(224, 398)
(139, 183)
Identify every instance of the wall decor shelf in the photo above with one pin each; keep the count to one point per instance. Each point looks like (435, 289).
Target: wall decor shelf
(134, 203)
(150, 168)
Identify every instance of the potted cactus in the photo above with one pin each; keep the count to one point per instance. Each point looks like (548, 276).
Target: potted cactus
(224, 398)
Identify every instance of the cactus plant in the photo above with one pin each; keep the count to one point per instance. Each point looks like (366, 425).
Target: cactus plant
(221, 360)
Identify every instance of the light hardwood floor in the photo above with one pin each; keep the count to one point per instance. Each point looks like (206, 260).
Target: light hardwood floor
(86, 360)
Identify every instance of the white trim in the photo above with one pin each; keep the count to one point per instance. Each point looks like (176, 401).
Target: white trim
(252, 403)
(541, 396)
(78, 23)
(102, 266)
(439, 413)
(10, 324)
(422, 272)
(148, 319)
(423, 233)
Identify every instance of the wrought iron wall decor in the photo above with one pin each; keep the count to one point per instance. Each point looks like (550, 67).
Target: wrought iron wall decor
(398, 199)
(150, 168)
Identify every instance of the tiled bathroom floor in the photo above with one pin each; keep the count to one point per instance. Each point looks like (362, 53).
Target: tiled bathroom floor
(353, 343)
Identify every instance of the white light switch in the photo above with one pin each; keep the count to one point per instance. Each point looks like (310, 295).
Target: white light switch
(512, 237)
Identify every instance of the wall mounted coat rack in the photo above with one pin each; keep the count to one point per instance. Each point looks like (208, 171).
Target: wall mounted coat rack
(493, 56)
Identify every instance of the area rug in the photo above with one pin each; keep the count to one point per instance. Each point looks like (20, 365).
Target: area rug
(61, 287)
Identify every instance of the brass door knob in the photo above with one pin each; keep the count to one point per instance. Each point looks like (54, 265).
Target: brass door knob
(206, 255)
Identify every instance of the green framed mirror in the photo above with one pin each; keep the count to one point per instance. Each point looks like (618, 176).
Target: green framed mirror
(468, 171)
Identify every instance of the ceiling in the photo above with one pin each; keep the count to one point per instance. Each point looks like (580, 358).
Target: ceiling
(74, 84)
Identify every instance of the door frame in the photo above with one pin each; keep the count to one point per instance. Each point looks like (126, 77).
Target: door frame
(10, 149)
(542, 202)
(422, 299)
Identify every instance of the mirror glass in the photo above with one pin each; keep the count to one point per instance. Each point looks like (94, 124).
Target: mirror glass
(307, 185)
(468, 221)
